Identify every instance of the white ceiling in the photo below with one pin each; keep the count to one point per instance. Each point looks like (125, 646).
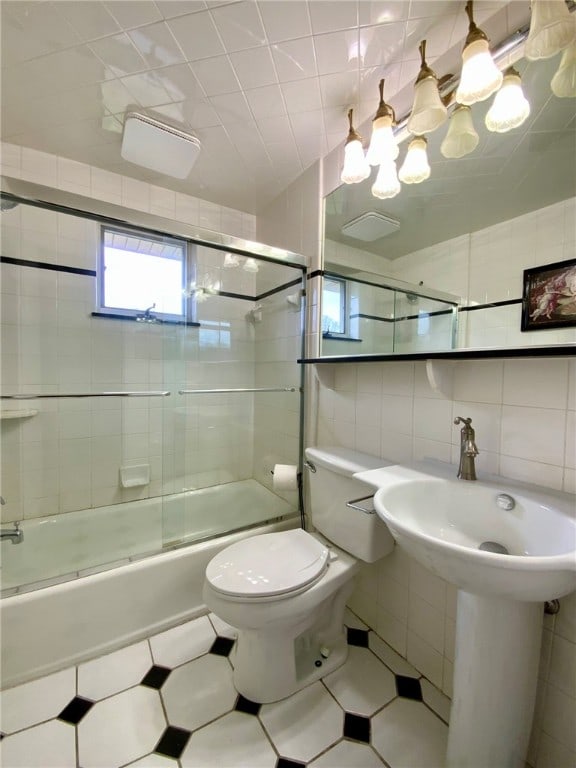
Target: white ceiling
(264, 85)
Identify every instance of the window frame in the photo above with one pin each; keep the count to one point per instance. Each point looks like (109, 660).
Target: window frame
(345, 320)
(188, 273)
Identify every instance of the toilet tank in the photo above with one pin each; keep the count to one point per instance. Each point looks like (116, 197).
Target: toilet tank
(332, 484)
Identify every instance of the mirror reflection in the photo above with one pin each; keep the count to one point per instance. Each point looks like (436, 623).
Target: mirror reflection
(464, 237)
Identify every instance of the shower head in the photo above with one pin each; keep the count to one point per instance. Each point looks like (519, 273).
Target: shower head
(7, 205)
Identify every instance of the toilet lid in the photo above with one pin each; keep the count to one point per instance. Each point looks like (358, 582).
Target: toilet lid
(267, 565)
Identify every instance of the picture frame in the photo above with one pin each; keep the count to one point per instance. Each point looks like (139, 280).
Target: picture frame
(549, 296)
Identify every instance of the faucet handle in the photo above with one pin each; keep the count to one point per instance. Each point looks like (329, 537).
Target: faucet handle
(460, 420)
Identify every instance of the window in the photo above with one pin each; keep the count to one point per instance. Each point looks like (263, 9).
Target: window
(139, 271)
(334, 305)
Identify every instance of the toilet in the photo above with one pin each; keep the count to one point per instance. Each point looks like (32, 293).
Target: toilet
(286, 592)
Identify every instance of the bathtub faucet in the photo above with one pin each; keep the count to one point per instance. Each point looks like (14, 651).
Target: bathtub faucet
(16, 536)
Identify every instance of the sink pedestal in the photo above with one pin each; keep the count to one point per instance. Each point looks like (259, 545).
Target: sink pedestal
(495, 678)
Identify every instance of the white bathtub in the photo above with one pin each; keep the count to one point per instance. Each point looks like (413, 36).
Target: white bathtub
(60, 625)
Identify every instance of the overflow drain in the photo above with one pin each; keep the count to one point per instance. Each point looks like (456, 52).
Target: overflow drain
(493, 546)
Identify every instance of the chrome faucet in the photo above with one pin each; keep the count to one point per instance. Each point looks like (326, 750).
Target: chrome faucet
(468, 449)
(16, 536)
(147, 316)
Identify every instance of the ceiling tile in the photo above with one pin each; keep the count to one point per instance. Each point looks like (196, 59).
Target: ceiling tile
(275, 129)
(285, 19)
(294, 59)
(171, 8)
(147, 89)
(157, 45)
(239, 26)
(340, 90)
(216, 75)
(383, 44)
(194, 112)
(337, 51)
(430, 8)
(180, 83)
(435, 31)
(91, 20)
(266, 102)
(115, 96)
(119, 55)
(71, 68)
(303, 95)
(133, 13)
(254, 67)
(381, 11)
(332, 15)
(231, 107)
(197, 36)
(33, 29)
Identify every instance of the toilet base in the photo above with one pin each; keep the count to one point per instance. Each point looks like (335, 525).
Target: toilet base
(272, 664)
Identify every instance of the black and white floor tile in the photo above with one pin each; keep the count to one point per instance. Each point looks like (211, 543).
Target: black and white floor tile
(169, 702)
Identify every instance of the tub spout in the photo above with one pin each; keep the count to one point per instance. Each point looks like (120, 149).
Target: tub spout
(16, 536)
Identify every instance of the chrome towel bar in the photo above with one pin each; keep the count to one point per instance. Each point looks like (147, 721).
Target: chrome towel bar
(152, 393)
(243, 389)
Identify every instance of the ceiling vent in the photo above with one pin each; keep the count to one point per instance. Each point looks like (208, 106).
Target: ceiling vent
(370, 226)
(159, 147)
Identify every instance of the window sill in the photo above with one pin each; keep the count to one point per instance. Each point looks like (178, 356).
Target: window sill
(131, 318)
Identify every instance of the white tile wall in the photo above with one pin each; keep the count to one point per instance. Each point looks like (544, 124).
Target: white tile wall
(524, 415)
(68, 456)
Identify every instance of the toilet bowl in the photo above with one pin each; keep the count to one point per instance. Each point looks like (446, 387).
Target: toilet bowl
(286, 592)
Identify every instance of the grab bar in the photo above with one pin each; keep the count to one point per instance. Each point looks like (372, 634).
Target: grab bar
(243, 389)
(153, 393)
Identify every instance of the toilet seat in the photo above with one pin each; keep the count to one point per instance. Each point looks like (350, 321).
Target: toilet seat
(270, 566)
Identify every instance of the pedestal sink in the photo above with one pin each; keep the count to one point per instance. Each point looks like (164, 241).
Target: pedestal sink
(528, 555)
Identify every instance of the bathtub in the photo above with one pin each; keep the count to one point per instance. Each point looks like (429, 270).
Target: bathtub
(90, 613)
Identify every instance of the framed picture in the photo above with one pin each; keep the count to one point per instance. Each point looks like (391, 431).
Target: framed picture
(549, 296)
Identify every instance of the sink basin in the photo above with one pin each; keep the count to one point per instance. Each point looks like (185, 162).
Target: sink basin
(441, 521)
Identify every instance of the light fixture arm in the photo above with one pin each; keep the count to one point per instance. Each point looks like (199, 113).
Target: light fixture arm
(425, 70)
(474, 32)
(384, 110)
(353, 135)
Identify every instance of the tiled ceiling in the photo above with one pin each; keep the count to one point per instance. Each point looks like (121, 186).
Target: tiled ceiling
(264, 85)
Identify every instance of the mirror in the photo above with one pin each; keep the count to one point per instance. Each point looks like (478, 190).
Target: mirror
(465, 235)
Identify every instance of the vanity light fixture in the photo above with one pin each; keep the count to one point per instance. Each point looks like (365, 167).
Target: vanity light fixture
(356, 168)
(552, 29)
(383, 146)
(461, 137)
(510, 107)
(563, 83)
(429, 111)
(415, 167)
(480, 76)
(386, 184)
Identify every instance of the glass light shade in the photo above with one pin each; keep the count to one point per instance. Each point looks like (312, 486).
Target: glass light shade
(428, 112)
(510, 107)
(480, 76)
(564, 81)
(231, 260)
(552, 29)
(386, 184)
(461, 137)
(415, 167)
(250, 265)
(356, 167)
(383, 146)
